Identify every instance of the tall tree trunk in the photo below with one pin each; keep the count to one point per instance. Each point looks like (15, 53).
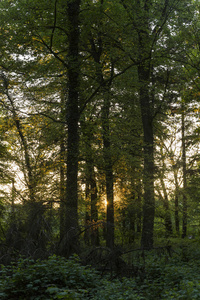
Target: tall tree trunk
(94, 209)
(141, 16)
(184, 229)
(72, 116)
(92, 196)
(148, 175)
(105, 114)
(87, 208)
(62, 168)
(177, 213)
(13, 192)
(131, 209)
(62, 188)
(176, 203)
(108, 171)
(139, 206)
(92, 231)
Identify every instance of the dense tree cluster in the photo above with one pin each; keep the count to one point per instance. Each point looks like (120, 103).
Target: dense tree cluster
(99, 123)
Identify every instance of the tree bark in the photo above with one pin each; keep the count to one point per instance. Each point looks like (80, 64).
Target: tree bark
(184, 229)
(107, 155)
(148, 175)
(92, 193)
(62, 189)
(139, 206)
(108, 172)
(94, 209)
(176, 202)
(72, 118)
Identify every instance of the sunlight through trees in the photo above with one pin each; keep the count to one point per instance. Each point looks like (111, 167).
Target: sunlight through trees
(99, 124)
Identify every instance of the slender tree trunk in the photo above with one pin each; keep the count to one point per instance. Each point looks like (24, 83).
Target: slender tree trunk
(108, 172)
(72, 117)
(176, 203)
(130, 212)
(87, 206)
(177, 226)
(148, 176)
(139, 207)
(94, 210)
(91, 186)
(13, 200)
(87, 230)
(105, 113)
(93, 197)
(62, 188)
(62, 169)
(184, 229)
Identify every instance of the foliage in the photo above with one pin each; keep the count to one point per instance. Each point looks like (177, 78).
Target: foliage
(55, 278)
(163, 277)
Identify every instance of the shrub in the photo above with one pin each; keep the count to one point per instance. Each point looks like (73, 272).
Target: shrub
(55, 278)
(58, 278)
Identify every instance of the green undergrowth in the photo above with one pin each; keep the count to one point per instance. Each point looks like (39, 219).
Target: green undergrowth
(163, 275)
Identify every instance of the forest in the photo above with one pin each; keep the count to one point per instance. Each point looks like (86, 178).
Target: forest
(99, 149)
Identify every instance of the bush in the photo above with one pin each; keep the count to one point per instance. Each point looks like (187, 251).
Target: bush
(55, 278)
(58, 278)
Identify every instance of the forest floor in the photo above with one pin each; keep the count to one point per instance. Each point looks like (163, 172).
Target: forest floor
(166, 272)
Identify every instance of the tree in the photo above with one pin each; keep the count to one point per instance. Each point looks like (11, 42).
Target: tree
(88, 130)
(70, 63)
(184, 230)
(72, 118)
(153, 48)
